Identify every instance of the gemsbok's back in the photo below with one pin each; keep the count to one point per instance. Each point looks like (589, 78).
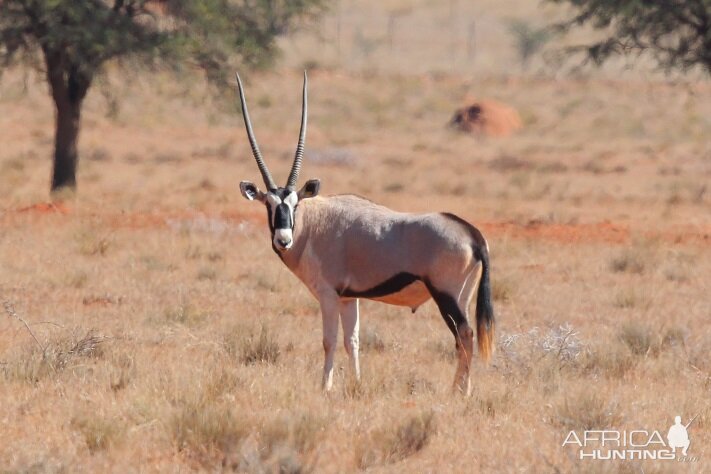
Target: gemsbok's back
(345, 247)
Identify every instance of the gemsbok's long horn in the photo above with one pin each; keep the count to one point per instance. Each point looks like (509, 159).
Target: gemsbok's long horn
(296, 167)
(268, 180)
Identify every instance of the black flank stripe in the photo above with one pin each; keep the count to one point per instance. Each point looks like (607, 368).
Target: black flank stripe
(388, 287)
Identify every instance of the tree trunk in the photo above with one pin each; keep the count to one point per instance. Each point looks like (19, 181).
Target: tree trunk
(65, 144)
(69, 84)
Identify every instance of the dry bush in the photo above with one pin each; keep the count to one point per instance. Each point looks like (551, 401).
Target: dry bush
(203, 425)
(521, 351)
(674, 337)
(375, 386)
(203, 420)
(122, 371)
(629, 298)
(676, 273)
(287, 444)
(156, 264)
(502, 289)
(301, 431)
(370, 340)
(506, 163)
(640, 339)
(186, 314)
(98, 154)
(637, 258)
(393, 444)
(552, 167)
(99, 432)
(393, 187)
(443, 348)
(252, 349)
(34, 363)
(611, 360)
(207, 274)
(586, 410)
(493, 403)
(628, 261)
(416, 385)
(92, 243)
(76, 280)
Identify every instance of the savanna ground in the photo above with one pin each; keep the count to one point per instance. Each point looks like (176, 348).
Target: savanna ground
(170, 338)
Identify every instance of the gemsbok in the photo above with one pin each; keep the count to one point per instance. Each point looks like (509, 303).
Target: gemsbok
(345, 247)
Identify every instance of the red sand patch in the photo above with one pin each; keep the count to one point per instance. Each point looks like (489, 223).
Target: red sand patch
(46, 208)
(598, 232)
(568, 233)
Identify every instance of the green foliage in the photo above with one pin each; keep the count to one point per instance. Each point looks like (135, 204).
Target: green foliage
(529, 40)
(676, 33)
(76, 38)
(208, 33)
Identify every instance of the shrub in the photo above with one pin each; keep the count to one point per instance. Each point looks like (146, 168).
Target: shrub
(394, 444)
(260, 349)
(639, 339)
(34, 363)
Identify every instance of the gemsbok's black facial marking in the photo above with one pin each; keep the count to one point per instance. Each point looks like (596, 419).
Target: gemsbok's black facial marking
(282, 217)
(388, 287)
(269, 219)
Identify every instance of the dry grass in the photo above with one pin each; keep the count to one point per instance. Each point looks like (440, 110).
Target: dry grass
(262, 348)
(207, 353)
(587, 410)
(186, 313)
(611, 360)
(35, 363)
(640, 339)
(502, 289)
(99, 432)
(200, 426)
(395, 443)
(371, 341)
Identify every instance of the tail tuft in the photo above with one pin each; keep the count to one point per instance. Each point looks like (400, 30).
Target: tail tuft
(485, 323)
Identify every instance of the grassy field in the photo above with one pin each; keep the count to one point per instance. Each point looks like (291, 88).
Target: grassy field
(147, 325)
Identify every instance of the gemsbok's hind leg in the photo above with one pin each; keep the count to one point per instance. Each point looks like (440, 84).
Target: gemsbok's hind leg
(329, 317)
(456, 319)
(351, 326)
(465, 347)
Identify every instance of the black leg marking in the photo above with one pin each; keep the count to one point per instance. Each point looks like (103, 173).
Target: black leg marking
(449, 309)
(388, 287)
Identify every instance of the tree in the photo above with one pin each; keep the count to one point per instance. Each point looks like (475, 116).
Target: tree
(529, 40)
(72, 41)
(676, 32)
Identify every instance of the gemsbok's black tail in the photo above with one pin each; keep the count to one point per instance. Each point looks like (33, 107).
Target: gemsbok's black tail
(484, 309)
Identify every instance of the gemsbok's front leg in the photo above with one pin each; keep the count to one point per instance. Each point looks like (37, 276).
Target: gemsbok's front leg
(351, 327)
(329, 315)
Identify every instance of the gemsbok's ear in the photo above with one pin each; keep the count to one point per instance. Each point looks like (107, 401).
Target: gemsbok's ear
(251, 191)
(310, 189)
